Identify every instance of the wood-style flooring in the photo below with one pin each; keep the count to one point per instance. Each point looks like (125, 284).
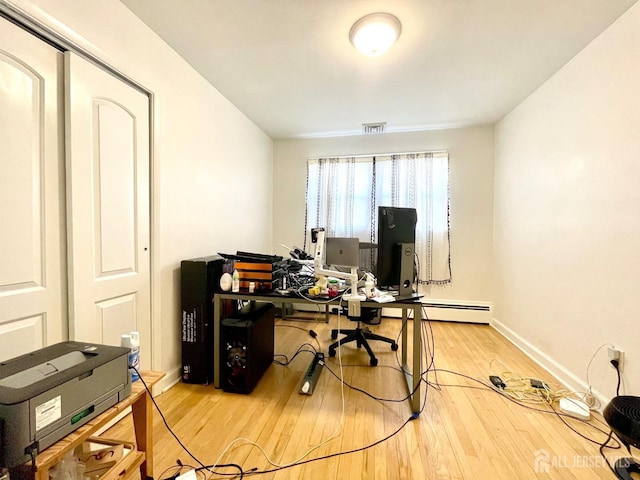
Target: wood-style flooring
(466, 430)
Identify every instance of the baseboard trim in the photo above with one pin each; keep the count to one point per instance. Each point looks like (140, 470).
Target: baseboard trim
(172, 377)
(564, 376)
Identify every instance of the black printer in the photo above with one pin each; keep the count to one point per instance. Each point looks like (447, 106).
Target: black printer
(47, 394)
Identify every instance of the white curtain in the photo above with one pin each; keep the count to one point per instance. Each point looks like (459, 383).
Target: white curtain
(343, 195)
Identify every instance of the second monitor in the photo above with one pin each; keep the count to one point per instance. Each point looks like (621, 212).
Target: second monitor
(396, 246)
(342, 252)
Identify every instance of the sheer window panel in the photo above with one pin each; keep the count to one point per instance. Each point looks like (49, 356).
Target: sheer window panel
(343, 195)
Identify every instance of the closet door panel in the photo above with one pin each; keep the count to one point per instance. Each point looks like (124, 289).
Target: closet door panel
(108, 183)
(32, 231)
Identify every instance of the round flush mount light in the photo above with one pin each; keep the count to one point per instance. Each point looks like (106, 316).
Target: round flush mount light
(375, 33)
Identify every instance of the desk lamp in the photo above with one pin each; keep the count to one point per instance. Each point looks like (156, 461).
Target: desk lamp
(351, 278)
(623, 416)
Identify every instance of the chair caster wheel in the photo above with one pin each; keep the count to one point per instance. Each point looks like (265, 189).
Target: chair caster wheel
(394, 347)
(373, 362)
(334, 334)
(332, 352)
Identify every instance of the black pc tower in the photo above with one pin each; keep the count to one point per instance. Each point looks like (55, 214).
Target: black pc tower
(247, 347)
(200, 279)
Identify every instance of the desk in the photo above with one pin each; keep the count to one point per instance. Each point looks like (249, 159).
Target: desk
(141, 406)
(412, 374)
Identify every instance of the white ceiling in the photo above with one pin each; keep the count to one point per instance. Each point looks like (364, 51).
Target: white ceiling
(289, 66)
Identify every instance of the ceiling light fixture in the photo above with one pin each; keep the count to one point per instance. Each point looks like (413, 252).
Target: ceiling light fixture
(375, 33)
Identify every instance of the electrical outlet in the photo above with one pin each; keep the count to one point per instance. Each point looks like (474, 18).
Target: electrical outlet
(615, 354)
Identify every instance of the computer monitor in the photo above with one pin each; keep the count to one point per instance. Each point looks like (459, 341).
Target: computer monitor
(351, 247)
(396, 245)
(342, 252)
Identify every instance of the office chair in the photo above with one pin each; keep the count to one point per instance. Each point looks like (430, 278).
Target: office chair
(361, 334)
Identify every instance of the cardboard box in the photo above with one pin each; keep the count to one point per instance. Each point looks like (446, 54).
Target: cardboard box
(200, 279)
(100, 455)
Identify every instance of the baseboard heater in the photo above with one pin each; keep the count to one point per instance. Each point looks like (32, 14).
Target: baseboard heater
(479, 312)
(452, 311)
(457, 306)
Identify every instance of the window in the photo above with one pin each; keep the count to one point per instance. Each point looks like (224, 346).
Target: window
(343, 195)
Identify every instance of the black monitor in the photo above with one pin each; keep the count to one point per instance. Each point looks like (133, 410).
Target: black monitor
(396, 245)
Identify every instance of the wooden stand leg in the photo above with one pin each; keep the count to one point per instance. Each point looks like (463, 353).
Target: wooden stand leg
(142, 424)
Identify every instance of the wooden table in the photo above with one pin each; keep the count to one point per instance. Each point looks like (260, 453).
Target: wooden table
(141, 407)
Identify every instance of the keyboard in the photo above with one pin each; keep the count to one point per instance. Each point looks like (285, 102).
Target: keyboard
(402, 298)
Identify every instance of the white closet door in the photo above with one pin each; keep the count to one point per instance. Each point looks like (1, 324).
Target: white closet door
(32, 290)
(107, 132)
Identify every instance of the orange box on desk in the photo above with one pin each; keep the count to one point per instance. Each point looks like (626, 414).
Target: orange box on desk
(258, 273)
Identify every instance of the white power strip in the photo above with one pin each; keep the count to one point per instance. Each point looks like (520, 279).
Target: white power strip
(189, 475)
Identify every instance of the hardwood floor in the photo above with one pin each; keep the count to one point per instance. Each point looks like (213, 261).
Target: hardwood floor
(466, 431)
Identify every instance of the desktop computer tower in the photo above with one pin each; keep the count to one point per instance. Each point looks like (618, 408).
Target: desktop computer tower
(247, 347)
(200, 279)
(407, 268)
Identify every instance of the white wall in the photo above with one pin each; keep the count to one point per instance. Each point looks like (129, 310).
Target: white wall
(471, 183)
(208, 155)
(566, 217)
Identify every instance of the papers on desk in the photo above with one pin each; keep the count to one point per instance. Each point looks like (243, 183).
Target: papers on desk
(383, 298)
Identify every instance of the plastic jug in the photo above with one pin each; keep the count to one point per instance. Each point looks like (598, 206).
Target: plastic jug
(132, 341)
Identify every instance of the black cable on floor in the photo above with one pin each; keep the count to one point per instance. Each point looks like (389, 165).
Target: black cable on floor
(301, 349)
(166, 424)
(604, 445)
(529, 407)
(337, 454)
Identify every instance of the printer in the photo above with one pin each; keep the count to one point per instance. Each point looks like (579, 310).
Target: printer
(47, 394)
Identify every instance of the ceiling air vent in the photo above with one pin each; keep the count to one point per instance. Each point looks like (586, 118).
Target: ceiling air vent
(373, 128)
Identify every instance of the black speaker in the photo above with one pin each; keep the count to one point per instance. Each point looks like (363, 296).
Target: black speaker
(247, 347)
(199, 278)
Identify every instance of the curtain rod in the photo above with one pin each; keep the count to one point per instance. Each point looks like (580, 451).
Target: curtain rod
(378, 154)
